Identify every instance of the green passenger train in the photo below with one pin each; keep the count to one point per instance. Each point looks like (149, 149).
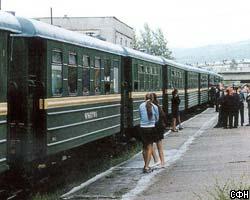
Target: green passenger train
(65, 89)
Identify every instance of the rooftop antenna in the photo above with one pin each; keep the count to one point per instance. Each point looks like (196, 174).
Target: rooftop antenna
(51, 17)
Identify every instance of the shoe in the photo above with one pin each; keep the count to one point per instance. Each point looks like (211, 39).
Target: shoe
(174, 130)
(180, 127)
(248, 124)
(147, 170)
(162, 165)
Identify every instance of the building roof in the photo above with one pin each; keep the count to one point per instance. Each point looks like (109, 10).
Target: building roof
(65, 17)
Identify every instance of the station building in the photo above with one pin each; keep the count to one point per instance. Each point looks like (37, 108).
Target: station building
(108, 29)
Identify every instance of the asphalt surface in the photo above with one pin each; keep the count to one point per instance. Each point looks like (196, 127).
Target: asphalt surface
(198, 158)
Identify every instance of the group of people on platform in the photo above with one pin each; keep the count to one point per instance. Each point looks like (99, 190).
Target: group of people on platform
(153, 122)
(229, 103)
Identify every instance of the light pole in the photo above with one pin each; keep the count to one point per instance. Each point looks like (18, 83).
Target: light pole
(51, 15)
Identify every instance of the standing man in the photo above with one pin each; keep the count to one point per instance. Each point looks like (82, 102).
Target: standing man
(217, 96)
(241, 105)
(248, 105)
(221, 109)
(228, 108)
(235, 107)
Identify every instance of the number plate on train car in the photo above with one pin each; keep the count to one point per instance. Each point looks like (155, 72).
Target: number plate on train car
(90, 115)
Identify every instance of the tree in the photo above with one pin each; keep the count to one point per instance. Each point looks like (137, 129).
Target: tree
(152, 42)
(135, 43)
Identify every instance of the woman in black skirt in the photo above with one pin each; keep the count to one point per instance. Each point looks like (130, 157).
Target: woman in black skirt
(149, 115)
(160, 129)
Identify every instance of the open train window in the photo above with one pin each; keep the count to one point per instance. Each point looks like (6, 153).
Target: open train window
(86, 75)
(116, 76)
(135, 77)
(72, 74)
(97, 76)
(107, 77)
(136, 86)
(56, 74)
(141, 68)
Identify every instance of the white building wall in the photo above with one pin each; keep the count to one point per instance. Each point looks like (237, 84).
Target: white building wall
(108, 28)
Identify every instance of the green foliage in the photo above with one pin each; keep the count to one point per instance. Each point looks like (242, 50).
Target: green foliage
(221, 191)
(152, 42)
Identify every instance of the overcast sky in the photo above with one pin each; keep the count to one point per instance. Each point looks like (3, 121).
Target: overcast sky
(186, 23)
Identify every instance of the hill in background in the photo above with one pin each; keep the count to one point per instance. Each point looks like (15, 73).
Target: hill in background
(213, 53)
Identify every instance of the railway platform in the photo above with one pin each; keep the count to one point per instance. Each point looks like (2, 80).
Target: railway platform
(197, 158)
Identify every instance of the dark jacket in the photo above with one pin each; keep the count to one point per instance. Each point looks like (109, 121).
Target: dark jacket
(242, 99)
(228, 103)
(221, 100)
(175, 103)
(236, 102)
(162, 123)
(248, 99)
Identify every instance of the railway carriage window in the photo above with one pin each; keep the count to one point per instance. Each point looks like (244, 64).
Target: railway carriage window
(141, 78)
(107, 77)
(146, 82)
(97, 76)
(116, 76)
(135, 77)
(86, 75)
(72, 74)
(56, 73)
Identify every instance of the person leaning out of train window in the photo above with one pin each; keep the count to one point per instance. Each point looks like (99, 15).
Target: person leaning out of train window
(160, 129)
(149, 115)
(175, 110)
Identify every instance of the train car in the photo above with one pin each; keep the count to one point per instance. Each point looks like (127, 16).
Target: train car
(8, 25)
(142, 74)
(192, 89)
(176, 78)
(203, 87)
(66, 89)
